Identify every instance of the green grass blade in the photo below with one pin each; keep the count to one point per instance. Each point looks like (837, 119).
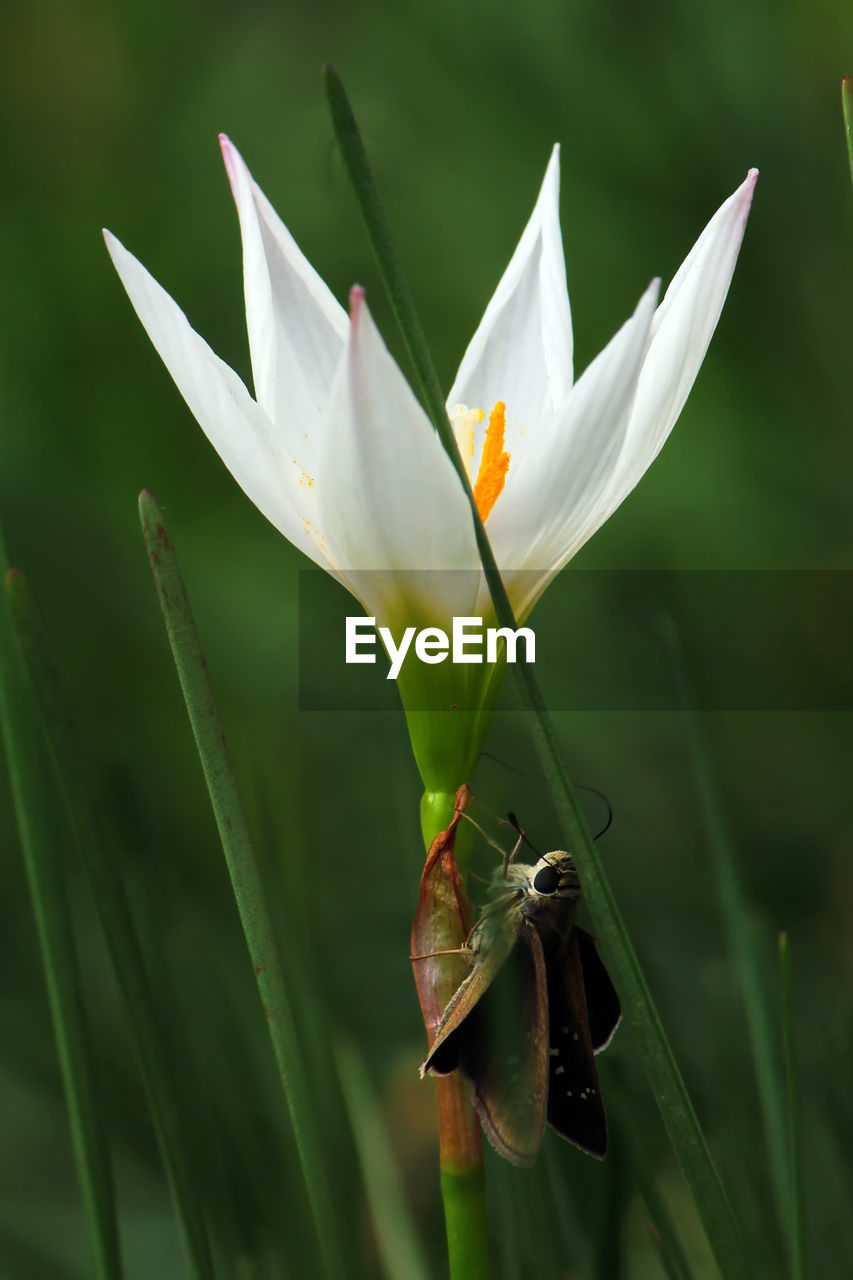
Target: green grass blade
(24, 1260)
(33, 787)
(799, 1218)
(399, 1246)
(666, 1081)
(610, 1259)
(847, 109)
(571, 1231)
(662, 1071)
(668, 1263)
(661, 1224)
(504, 1215)
(115, 915)
(742, 943)
(242, 868)
(664, 1234)
(388, 260)
(663, 1231)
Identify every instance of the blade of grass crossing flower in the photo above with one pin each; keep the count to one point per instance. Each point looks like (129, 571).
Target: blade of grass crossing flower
(662, 1071)
(799, 1218)
(661, 1068)
(390, 266)
(743, 948)
(115, 915)
(396, 1237)
(847, 108)
(35, 800)
(242, 868)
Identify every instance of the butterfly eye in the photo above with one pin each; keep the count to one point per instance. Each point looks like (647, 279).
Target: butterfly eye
(546, 880)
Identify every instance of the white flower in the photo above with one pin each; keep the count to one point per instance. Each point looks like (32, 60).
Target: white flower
(337, 452)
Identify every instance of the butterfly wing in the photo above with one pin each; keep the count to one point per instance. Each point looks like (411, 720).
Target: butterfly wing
(495, 1030)
(456, 1027)
(602, 1003)
(575, 1108)
(509, 1056)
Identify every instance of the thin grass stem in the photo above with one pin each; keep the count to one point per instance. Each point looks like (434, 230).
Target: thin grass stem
(744, 955)
(396, 1236)
(243, 870)
(799, 1216)
(847, 111)
(33, 786)
(108, 892)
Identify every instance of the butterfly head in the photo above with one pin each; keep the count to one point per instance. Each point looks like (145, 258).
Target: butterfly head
(552, 878)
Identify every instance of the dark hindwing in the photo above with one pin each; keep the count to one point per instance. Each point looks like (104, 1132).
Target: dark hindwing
(575, 1108)
(501, 1045)
(602, 1003)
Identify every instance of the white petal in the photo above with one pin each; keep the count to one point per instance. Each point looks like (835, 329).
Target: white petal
(239, 430)
(521, 352)
(683, 327)
(393, 502)
(297, 329)
(548, 508)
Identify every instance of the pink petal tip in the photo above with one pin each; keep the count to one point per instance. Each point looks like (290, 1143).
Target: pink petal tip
(226, 146)
(356, 300)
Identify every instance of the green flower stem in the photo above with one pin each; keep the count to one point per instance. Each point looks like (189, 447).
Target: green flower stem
(115, 915)
(242, 868)
(436, 812)
(446, 743)
(33, 786)
(661, 1068)
(847, 109)
(463, 1195)
(460, 1154)
(460, 1141)
(799, 1218)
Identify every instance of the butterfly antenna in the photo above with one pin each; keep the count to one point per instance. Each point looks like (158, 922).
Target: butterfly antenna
(512, 821)
(511, 768)
(594, 791)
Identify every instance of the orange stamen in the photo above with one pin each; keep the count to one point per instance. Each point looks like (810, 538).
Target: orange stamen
(494, 463)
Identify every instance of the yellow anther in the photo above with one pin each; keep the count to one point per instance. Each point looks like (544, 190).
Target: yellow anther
(494, 463)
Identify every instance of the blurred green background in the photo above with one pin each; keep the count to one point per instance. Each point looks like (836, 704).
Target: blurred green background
(110, 117)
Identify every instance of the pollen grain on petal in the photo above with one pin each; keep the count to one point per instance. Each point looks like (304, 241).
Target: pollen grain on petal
(494, 463)
(465, 422)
